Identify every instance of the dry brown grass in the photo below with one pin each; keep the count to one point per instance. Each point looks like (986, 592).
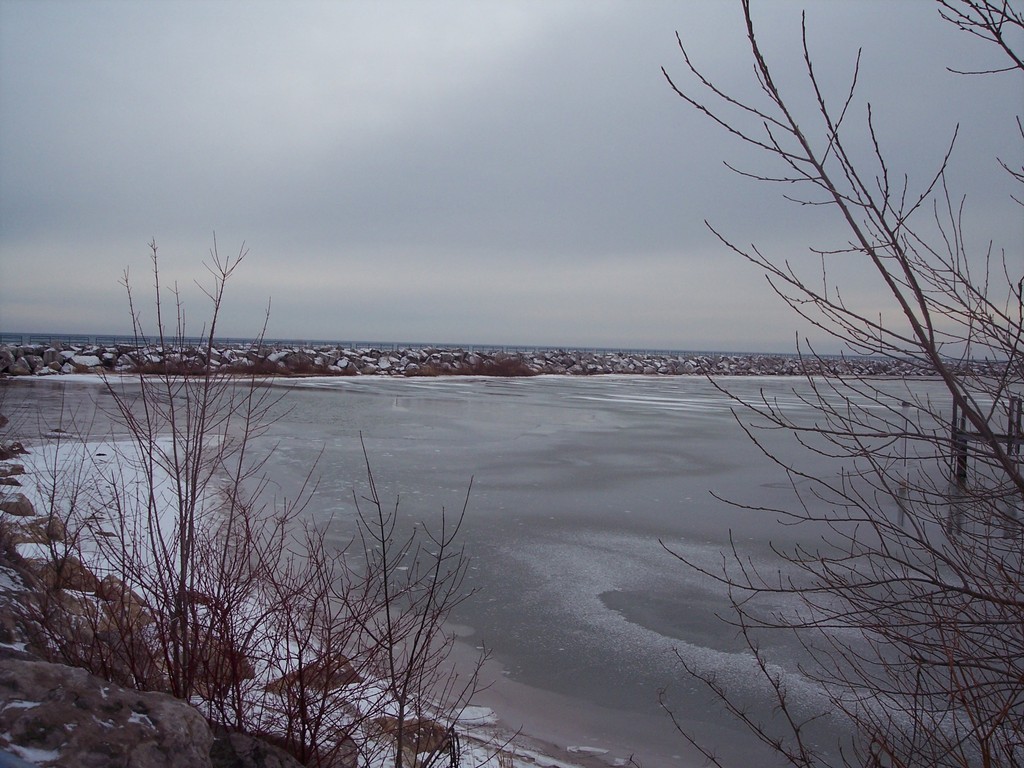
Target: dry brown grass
(503, 365)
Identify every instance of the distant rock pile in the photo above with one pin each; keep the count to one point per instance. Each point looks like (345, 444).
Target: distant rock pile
(277, 360)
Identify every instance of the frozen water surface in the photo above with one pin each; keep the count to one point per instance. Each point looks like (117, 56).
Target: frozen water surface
(576, 484)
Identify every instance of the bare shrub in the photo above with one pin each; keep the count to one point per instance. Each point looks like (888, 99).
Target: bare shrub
(910, 601)
(412, 583)
(177, 573)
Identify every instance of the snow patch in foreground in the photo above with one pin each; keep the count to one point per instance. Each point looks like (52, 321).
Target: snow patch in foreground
(477, 716)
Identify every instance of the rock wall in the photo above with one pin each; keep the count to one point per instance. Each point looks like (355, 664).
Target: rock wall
(43, 360)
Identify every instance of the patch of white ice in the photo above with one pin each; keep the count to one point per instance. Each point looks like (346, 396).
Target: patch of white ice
(31, 754)
(103, 723)
(19, 704)
(9, 581)
(475, 716)
(141, 719)
(31, 550)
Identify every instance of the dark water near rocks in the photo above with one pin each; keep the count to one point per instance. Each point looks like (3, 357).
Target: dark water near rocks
(576, 482)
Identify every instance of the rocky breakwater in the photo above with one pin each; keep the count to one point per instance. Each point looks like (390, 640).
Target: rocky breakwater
(339, 360)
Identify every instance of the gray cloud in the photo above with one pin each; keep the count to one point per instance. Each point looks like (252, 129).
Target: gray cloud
(479, 172)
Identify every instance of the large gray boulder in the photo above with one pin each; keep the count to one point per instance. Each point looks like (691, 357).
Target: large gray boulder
(16, 504)
(54, 715)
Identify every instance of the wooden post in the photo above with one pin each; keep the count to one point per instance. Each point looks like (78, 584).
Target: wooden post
(958, 437)
(1014, 427)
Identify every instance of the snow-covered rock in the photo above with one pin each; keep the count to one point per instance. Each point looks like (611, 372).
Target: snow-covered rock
(16, 504)
(58, 715)
(86, 361)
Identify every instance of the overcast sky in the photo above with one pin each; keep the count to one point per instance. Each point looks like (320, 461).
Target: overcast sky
(476, 172)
